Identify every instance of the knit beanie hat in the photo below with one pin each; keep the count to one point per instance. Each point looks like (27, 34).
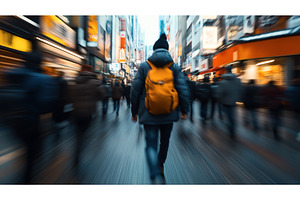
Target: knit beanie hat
(161, 42)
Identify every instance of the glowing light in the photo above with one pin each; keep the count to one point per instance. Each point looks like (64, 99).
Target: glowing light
(28, 20)
(265, 62)
(58, 47)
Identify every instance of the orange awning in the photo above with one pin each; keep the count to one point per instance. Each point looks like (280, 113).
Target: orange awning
(284, 46)
(210, 70)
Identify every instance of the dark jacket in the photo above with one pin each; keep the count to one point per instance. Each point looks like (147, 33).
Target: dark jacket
(230, 89)
(251, 97)
(273, 96)
(203, 91)
(58, 113)
(293, 96)
(117, 92)
(32, 81)
(159, 58)
(191, 85)
(85, 94)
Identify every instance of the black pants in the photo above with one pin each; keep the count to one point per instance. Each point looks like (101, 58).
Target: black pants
(229, 111)
(82, 124)
(104, 106)
(28, 132)
(203, 112)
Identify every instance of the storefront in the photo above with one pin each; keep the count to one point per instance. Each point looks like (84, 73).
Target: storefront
(58, 46)
(16, 41)
(99, 44)
(264, 57)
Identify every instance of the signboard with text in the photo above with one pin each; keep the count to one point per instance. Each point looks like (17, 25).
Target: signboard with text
(54, 28)
(210, 37)
(14, 42)
(203, 65)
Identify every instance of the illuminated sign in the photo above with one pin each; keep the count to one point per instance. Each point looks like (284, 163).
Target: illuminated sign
(122, 55)
(127, 69)
(234, 27)
(14, 42)
(93, 29)
(203, 65)
(54, 28)
(210, 37)
(249, 22)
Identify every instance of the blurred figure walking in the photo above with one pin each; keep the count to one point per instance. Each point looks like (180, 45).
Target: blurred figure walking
(107, 93)
(215, 105)
(85, 105)
(251, 103)
(127, 94)
(273, 96)
(59, 114)
(203, 93)
(160, 61)
(117, 92)
(293, 95)
(40, 93)
(191, 85)
(230, 91)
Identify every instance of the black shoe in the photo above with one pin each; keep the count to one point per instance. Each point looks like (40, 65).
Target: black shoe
(158, 180)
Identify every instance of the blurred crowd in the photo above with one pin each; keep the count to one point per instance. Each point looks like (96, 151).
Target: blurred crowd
(32, 98)
(226, 92)
(36, 101)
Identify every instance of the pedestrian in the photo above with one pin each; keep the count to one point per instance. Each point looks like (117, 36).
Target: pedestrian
(85, 105)
(156, 113)
(117, 92)
(107, 93)
(215, 105)
(59, 114)
(191, 85)
(38, 97)
(251, 103)
(127, 94)
(273, 96)
(203, 93)
(229, 92)
(293, 96)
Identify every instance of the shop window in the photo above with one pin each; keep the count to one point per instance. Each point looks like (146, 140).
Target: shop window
(268, 73)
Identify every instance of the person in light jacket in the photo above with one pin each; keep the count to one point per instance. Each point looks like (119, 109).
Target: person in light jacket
(229, 92)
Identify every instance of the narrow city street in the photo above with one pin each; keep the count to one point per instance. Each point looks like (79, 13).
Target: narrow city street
(198, 154)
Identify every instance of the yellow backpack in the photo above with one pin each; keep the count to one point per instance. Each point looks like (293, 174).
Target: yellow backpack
(161, 95)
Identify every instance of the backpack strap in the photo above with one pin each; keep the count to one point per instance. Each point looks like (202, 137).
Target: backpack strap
(153, 66)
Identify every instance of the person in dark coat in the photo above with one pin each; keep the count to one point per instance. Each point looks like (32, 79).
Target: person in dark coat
(155, 123)
(27, 129)
(251, 102)
(117, 93)
(85, 99)
(293, 96)
(215, 105)
(107, 94)
(127, 94)
(59, 114)
(204, 95)
(191, 85)
(273, 96)
(229, 92)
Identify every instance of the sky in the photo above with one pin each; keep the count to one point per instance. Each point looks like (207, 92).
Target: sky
(150, 25)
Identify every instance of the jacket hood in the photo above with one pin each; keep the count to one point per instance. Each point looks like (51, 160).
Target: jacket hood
(160, 57)
(229, 76)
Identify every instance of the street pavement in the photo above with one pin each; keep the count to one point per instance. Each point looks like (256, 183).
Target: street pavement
(199, 154)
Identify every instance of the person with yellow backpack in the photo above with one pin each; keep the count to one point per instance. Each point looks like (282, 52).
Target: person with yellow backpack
(158, 93)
